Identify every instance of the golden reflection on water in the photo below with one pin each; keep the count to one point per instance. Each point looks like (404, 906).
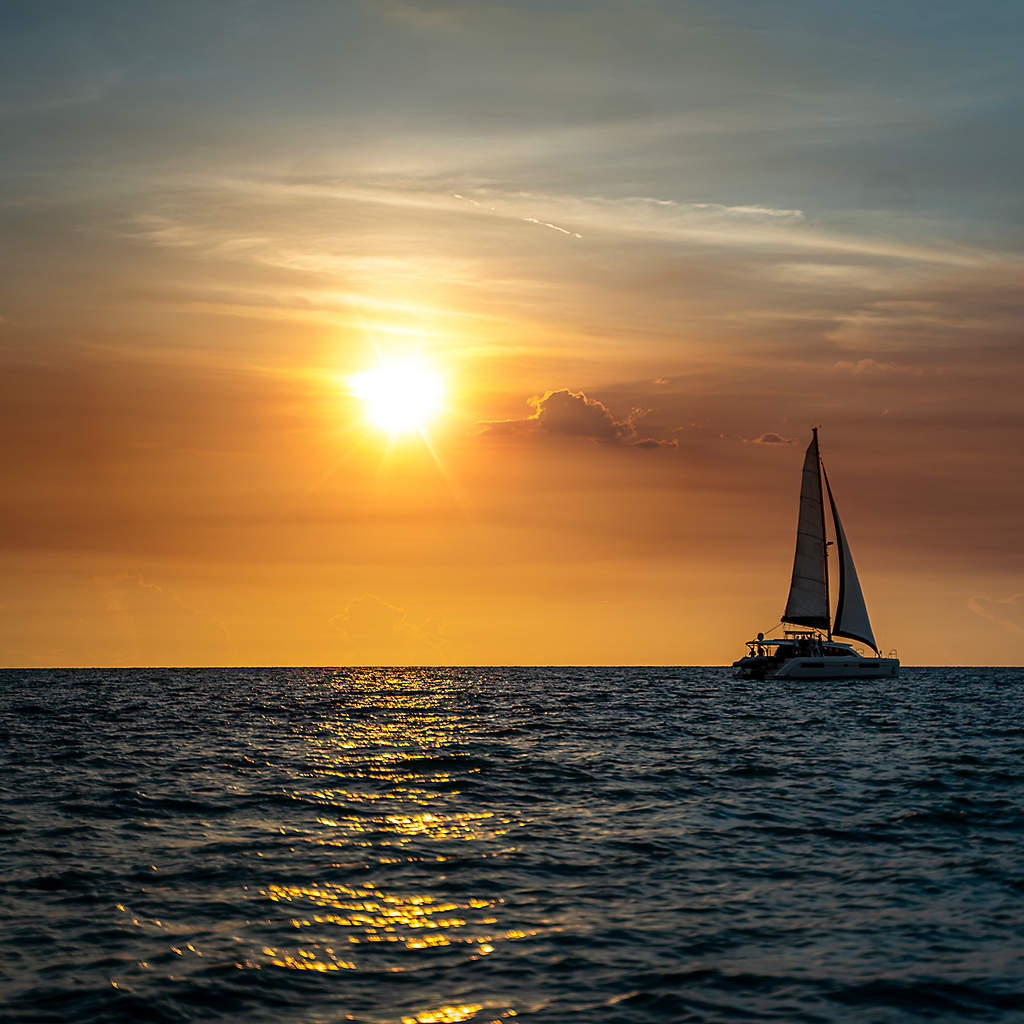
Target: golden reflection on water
(384, 777)
(370, 915)
(449, 1014)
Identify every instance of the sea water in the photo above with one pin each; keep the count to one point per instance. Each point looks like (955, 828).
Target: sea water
(439, 845)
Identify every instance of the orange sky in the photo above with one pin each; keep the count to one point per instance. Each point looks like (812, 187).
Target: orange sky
(202, 251)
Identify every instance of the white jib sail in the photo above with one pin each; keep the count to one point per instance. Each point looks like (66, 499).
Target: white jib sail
(808, 593)
(851, 611)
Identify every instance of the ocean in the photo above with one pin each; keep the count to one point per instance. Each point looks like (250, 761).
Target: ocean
(615, 845)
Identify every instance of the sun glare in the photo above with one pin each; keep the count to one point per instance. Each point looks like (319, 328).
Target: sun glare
(400, 395)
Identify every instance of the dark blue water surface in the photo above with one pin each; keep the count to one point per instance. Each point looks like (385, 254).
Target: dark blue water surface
(439, 845)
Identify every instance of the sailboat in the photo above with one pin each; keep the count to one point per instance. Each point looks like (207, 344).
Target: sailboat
(814, 652)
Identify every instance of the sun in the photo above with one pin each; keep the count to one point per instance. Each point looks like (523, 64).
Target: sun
(401, 395)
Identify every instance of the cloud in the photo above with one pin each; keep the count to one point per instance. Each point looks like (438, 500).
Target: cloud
(574, 414)
(1012, 605)
(377, 631)
(271, 247)
(554, 227)
(738, 211)
(768, 229)
(653, 442)
(568, 412)
(144, 623)
(771, 438)
(873, 366)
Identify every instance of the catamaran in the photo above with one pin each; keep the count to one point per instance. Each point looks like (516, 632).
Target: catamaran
(813, 652)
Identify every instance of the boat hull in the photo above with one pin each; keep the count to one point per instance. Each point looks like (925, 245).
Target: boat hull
(818, 668)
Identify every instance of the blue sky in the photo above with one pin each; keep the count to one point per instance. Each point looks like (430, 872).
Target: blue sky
(831, 108)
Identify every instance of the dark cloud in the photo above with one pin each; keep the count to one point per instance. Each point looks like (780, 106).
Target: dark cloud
(574, 414)
(570, 412)
(653, 442)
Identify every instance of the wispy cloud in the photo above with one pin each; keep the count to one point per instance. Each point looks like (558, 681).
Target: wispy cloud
(377, 630)
(1007, 612)
(554, 227)
(872, 366)
(784, 230)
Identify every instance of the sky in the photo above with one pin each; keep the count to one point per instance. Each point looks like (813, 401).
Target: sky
(645, 246)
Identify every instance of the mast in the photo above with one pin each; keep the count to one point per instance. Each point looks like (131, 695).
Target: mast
(824, 539)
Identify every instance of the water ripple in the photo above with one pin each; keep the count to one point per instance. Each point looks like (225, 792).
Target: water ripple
(422, 846)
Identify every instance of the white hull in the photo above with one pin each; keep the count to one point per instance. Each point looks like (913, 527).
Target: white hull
(819, 668)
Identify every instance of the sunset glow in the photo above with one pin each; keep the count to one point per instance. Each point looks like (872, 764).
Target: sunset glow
(309, 360)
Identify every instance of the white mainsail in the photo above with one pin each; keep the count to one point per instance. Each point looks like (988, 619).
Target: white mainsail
(808, 590)
(851, 611)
